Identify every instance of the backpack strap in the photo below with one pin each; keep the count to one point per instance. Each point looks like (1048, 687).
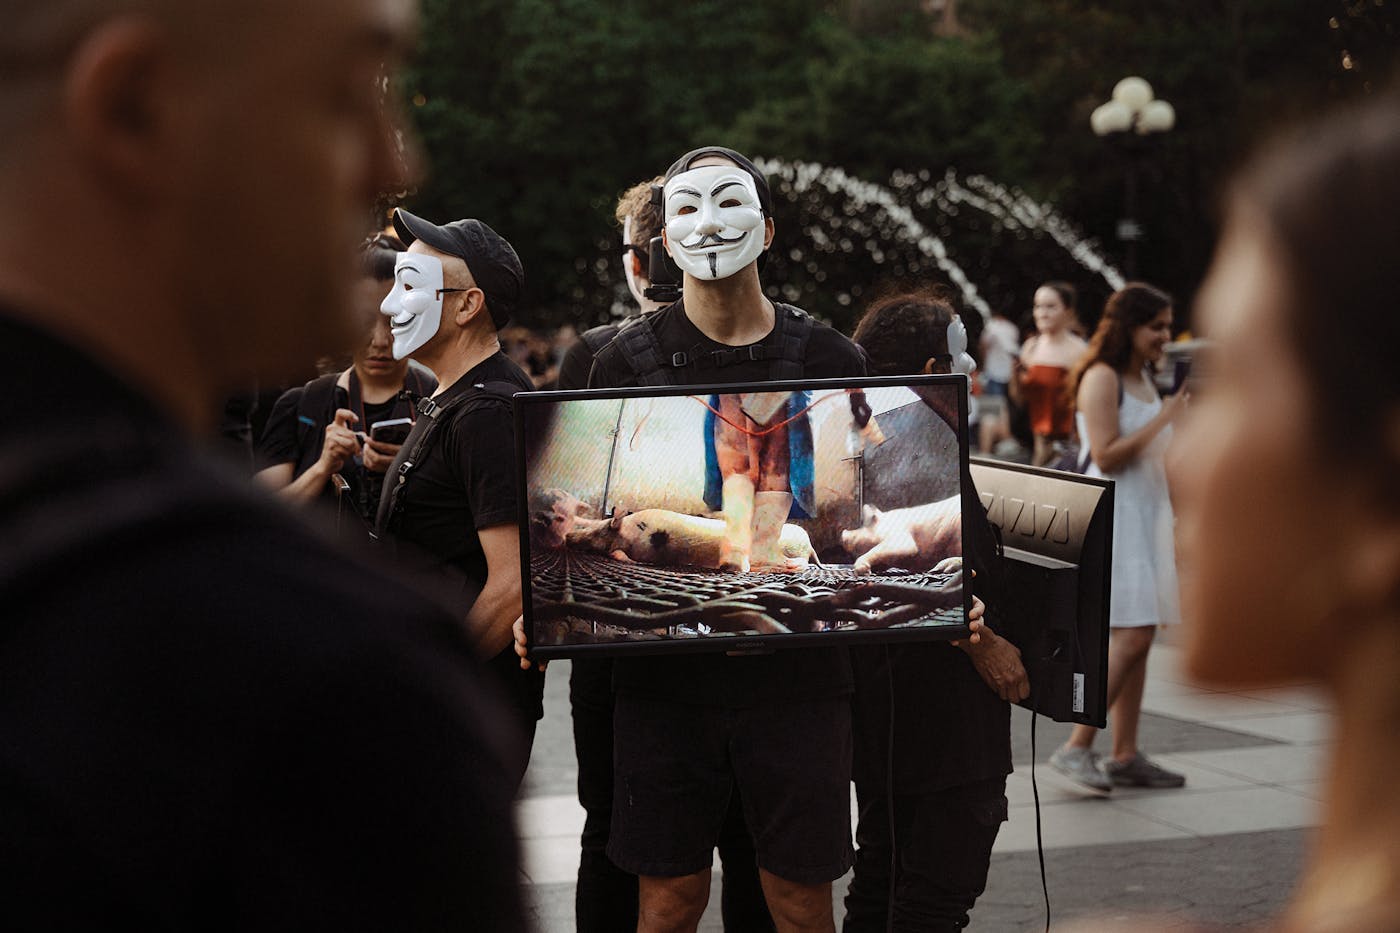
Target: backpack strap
(596, 338)
(317, 400)
(793, 328)
(433, 417)
(642, 352)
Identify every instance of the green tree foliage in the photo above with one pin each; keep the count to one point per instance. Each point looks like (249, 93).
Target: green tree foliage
(535, 114)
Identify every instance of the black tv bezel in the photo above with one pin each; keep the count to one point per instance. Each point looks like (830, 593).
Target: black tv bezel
(728, 643)
(1103, 514)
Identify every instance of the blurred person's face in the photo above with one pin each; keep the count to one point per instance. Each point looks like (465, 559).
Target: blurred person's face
(375, 356)
(414, 303)
(1049, 310)
(287, 139)
(1263, 518)
(714, 220)
(1150, 340)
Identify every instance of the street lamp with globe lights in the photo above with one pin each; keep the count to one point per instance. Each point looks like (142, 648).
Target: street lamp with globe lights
(1128, 121)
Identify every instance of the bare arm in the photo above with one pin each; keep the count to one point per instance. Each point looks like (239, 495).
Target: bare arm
(495, 610)
(1098, 400)
(998, 662)
(339, 446)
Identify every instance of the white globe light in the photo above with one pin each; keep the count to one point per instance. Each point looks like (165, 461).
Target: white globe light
(1157, 117)
(1133, 93)
(1112, 117)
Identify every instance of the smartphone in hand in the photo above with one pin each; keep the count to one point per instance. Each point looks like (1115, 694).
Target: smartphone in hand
(394, 431)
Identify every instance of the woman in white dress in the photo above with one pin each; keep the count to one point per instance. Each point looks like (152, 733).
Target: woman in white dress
(1126, 428)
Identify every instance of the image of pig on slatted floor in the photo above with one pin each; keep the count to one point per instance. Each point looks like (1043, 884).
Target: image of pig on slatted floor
(579, 596)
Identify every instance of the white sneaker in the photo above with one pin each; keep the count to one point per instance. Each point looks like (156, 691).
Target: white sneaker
(1081, 765)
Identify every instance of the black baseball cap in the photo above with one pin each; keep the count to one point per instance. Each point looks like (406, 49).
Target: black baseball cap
(684, 163)
(492, 260)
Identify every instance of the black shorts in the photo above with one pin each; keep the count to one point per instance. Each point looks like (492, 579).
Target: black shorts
(676, 764)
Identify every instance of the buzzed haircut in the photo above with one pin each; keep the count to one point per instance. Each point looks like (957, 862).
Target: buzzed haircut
(647, 218)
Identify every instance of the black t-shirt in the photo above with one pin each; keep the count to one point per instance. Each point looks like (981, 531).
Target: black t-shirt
(212, 718)
(940, 701)
(295, 435)
(830, 355)
(466, 481)
(717, 679)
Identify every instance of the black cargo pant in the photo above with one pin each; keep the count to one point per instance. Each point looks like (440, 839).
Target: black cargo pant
(605, 898)
(944, 849)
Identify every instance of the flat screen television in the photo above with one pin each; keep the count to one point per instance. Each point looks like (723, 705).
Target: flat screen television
(1057, 536)
(742, 517)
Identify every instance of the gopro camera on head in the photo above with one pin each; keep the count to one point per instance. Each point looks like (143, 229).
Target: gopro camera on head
(664, 275)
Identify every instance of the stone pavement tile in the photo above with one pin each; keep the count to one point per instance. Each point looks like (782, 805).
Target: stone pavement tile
(1277, 764)
(1159, 735)
(550, 907)
(553, 767)
(1162, 689)
(550, 816)
(1221, 812)
(550, 861)
(1081, 823)
(1234, 880)
(1300, 696)
(1164, 663)
(1211, 707)
(1302, 728)
(1313, 790)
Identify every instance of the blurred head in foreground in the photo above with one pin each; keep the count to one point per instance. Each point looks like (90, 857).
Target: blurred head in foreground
(145, 143)
(1288, 478)
(1290, 465)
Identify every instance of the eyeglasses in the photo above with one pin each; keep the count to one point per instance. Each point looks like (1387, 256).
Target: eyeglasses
(642, 253)
(438, 293)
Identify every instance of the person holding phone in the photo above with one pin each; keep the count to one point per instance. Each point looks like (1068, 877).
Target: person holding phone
(1127, 427)
(349, 423)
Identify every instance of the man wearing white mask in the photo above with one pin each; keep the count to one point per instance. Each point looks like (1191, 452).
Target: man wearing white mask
(450, 494)
(776, 727)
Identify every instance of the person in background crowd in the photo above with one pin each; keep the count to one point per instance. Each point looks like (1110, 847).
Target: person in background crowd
(347, 423)
(1043, 369)
(1000, 344)
(640, 220)
(210, 717)
(949, 772)
(605, 897)
(776, 727)
(1126, 428)
(453, 504)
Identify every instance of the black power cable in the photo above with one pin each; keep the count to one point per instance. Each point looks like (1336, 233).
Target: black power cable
(1039, 839)
(889, 795)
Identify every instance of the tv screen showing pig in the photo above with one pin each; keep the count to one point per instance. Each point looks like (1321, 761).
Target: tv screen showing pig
(741, 517)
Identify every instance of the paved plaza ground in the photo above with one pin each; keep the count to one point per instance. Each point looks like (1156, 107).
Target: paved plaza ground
(1226, 848)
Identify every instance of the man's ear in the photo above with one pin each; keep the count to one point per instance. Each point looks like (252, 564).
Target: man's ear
(936, 366)
(636, 261)
(116, 104)
(473, 303)
(768, 230)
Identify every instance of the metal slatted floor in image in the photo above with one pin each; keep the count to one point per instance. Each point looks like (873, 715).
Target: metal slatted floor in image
(582, 597)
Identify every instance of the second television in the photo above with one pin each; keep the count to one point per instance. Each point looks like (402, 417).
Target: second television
(743, 516)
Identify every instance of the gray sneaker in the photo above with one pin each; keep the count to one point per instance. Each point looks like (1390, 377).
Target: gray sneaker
(1142, 771)
(1081, 765)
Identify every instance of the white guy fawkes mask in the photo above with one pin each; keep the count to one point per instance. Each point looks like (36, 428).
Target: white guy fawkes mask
(962, 362)
(714, 221)
(414, 305)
